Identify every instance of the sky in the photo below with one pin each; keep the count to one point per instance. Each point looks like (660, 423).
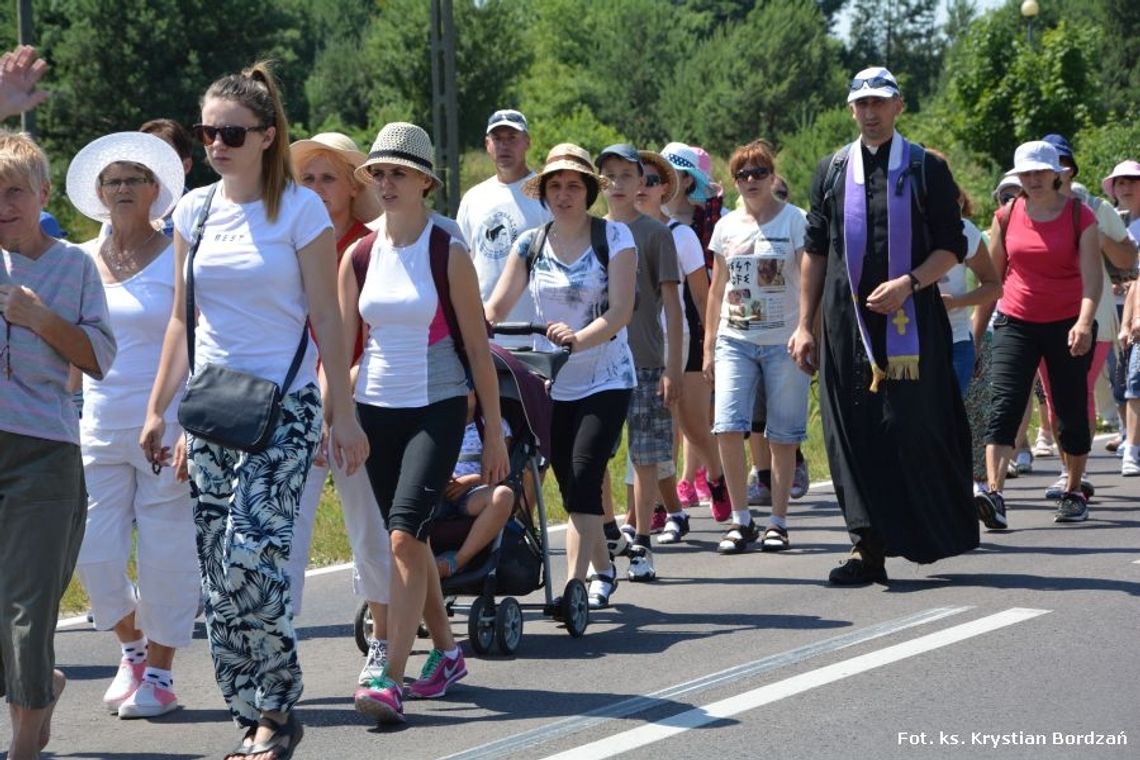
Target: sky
(844, 25)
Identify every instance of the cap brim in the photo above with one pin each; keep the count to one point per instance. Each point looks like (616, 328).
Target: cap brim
(505, 123)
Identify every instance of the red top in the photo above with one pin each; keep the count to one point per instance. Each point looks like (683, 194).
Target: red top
(355, 232)
(1043, 269)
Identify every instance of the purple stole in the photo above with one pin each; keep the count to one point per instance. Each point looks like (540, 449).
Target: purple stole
(902, 329)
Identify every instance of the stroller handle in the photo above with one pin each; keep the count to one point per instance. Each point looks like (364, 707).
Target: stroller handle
(519, 328)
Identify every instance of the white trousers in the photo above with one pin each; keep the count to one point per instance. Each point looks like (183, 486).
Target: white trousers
(123, 492)
(367, 534)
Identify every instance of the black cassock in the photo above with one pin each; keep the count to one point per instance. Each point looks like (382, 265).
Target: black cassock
(900, 458)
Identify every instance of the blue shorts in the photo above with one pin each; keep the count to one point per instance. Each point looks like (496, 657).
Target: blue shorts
(457, 508)
(963, 360)
(740, 366)
(1132, 381)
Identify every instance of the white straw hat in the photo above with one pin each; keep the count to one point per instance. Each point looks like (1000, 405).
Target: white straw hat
(136, 147)
(1035, 156)
(402, 144)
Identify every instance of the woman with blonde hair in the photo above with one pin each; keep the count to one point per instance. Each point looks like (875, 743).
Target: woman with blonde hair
(262, 266)
(53, 315)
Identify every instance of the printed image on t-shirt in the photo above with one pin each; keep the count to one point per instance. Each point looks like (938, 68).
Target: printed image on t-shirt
(494, 238)
(756, 284)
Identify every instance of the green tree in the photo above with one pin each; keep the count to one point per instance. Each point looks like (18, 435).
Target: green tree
(901, 35)
(802, 150)
(759, 78)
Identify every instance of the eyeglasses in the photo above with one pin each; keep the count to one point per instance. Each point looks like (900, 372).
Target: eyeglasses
(874, 83)
(129, 182)
(653, 180)
(756, 172)
(231, 135)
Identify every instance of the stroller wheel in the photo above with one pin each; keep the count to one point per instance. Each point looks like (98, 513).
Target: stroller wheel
(362, 627)
(481, 624)
(575, 607)
(508, 625)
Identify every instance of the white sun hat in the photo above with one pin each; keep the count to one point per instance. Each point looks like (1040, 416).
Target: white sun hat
(137, 148)
(1035, 156)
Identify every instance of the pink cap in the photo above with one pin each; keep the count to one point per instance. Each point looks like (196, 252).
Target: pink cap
(1127, 168)
(704, 161)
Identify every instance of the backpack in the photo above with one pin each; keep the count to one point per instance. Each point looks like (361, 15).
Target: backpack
(916, 168)
(439, 249)
(598, 242)
(1003, 224)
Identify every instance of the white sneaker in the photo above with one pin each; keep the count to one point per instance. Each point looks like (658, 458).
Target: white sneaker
(124, 684)
(602, 588)
(1057, 490)
(375, 662)
(149, 700)
(641, 569)
(1024, 462)
(1130, 468)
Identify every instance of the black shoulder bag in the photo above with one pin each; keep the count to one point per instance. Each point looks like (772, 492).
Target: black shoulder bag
(232, 409)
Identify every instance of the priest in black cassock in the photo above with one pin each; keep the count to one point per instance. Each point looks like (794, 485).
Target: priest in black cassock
(884, 227)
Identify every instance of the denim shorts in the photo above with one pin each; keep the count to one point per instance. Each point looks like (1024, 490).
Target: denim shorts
(963, 360)
(740, 366)
(1132, 381)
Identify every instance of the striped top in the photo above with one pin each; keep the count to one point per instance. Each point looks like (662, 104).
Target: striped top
(34, 401)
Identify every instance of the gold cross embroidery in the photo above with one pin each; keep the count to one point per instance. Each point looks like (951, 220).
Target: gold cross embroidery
(900, 321)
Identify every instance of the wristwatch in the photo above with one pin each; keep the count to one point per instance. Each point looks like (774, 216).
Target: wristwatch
(915, 285)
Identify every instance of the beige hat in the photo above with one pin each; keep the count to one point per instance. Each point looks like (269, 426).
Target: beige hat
(365, 206)
(402, 144)
(565, 156)
(666, 171)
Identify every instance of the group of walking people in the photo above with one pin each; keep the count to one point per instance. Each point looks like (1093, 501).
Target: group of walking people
(316, 275)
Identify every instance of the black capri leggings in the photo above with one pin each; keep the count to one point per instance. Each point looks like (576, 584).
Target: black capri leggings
(583, 435)
(413, 453)
(1018, 348)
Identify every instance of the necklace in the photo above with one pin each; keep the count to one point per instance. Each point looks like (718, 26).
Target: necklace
(121, 261)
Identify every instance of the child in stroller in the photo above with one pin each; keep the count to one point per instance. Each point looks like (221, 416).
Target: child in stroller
(466, 495)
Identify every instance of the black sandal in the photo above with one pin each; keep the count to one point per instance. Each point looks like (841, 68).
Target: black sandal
(291, 730)
(243, 745)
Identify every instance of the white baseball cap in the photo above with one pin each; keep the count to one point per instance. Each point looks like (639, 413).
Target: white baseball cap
(1035, 156)
(873, 82)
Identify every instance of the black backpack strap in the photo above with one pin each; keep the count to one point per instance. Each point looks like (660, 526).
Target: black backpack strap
(835, 168)
(536, 244)
(1077, 224)
(917, 170)
(673, 224)
(599, 242)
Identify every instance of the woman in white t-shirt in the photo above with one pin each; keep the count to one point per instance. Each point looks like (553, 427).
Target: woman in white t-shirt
(265, 269)
(586, 307)
(958, 297)
(411, 393)
(132, 180)
(756, 279)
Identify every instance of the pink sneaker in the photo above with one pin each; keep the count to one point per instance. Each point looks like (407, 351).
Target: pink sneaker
(721, 507)
(124, 684)
(659, 517)
(149, 701)
(437, 675)
(701, 485)
(382, 699)
(687, 495)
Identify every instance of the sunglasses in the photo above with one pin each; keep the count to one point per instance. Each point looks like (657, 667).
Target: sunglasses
(130, 182)
(653, 180)
(231, 135)
(873, 83)
(756, 172)
(1005, 198)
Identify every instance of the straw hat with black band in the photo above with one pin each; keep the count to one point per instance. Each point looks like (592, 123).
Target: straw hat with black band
(402, 144)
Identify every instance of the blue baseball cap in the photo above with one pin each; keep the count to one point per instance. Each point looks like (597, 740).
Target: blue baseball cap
(1063, 149)
(50, 225)
(624, 151)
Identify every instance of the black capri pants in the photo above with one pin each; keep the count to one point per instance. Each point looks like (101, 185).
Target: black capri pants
(1018, 348)
(583, 436)
(412, 456)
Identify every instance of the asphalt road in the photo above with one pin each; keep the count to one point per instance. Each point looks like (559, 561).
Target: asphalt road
(1025, 648)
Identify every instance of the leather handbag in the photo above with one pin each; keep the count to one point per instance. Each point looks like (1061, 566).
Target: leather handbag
(235, 410)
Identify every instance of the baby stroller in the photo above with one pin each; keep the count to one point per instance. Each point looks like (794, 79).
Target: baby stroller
(517, 562)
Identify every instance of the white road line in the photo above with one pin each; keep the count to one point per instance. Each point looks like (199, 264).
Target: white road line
(703, 716)
(527, 740)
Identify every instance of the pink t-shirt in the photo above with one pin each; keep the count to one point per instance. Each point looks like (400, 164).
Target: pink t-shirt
(1043, 273)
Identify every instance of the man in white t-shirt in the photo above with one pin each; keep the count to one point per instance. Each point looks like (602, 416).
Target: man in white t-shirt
(495, 212)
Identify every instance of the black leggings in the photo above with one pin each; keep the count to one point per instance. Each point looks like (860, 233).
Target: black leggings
(583, 435)
(1018, 348)
(413, 453)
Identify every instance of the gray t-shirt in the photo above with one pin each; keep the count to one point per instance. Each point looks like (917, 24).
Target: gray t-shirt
(656, 263)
